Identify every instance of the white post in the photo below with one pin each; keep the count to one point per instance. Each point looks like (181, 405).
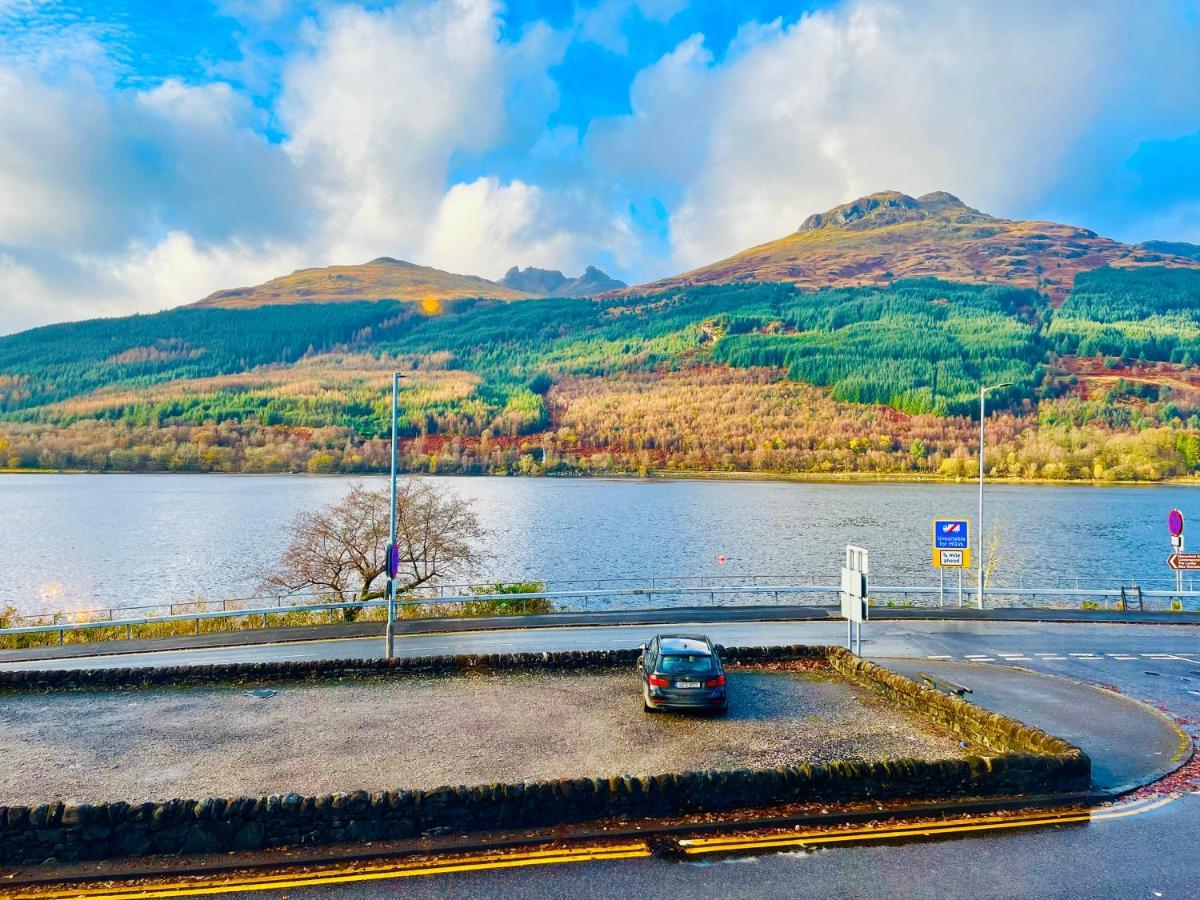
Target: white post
(979, 525)
(1179, 575)
(960, 588)
(390, 631)
(941, 587)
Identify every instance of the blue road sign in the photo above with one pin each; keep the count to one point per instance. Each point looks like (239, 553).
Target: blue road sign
(951, 534)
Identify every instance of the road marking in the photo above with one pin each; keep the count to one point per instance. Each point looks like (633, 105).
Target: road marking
(976, 656)
(939, 657)
(1054, 659)
(354, 873)
(346, 875)
(956, 826)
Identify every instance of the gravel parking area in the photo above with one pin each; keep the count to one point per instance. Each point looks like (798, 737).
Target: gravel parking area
(425, 732)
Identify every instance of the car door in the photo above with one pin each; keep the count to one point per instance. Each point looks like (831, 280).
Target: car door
(649, 659)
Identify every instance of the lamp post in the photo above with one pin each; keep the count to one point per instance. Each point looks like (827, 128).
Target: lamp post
(392, 560)
(979, 528)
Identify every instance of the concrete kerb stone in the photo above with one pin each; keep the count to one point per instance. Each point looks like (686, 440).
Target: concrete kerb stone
(1025, 760)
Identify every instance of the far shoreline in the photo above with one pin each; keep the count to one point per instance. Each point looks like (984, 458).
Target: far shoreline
(665, 475)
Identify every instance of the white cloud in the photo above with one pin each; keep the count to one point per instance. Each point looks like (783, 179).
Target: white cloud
(379, 106)
(483, 226)
(127, 200)
(988, 101)
(121, 201)
(604, 23)
(383, 104)
(141, 277)
(420, 130)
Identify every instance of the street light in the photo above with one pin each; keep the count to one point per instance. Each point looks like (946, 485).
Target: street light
(390, 631)
(979, 551)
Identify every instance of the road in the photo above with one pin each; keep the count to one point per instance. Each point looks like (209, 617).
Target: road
(1067, 647)
(1150, 855)
(1147, 854)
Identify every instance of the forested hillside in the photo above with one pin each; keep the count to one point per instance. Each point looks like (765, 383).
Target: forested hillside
(744, 377)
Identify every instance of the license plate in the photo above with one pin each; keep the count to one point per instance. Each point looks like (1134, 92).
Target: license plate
(687, 684)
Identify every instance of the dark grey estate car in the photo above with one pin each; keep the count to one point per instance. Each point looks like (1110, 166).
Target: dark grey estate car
(682, 671)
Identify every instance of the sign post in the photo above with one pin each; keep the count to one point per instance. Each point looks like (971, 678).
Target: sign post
(854, 596)
(1176, 560)
(951, 550)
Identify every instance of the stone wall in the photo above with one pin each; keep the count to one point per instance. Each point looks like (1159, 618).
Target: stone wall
(999, 733)
(325, 669)
(1026, 761)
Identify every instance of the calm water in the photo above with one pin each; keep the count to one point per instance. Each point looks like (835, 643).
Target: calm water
(86, 541)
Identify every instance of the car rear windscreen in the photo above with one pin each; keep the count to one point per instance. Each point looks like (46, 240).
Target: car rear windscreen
(690, 664)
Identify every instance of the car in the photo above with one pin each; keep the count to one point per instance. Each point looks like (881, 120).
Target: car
(682, 671)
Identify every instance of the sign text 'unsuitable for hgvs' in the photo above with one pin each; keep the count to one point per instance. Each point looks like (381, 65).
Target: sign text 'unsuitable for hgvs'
(951, 543)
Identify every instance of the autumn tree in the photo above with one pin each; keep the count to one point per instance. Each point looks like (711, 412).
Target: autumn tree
(339, 552)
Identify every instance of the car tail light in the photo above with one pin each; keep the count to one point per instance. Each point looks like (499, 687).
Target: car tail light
(719, 681)
(657, 681)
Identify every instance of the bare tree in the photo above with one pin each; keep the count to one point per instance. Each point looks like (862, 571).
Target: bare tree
(340, 552)
(999, 552)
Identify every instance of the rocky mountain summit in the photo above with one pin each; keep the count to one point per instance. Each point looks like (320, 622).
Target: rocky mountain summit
(553, 283)
(893, 208)
(888, 236)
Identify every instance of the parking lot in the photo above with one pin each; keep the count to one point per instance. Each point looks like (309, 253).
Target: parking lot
(426, 732)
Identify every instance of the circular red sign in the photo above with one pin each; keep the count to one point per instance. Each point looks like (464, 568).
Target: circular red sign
(1175, 522)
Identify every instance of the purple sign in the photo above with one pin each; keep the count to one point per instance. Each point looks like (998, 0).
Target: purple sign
(1175, 523)
(393, 560)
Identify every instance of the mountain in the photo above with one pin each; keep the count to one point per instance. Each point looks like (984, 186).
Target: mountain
(380, 279)
(889, 235)
(553, 283)
(1172, 248)
(819, 353)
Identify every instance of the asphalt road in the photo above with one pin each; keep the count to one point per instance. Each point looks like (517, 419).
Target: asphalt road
(1069, 648)
(1151, 854)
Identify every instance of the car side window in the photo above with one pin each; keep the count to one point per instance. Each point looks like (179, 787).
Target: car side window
(651, 655)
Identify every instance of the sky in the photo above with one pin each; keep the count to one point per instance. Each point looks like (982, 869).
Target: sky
(154, 151)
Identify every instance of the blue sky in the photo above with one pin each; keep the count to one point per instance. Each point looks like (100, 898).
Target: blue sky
(156, 151)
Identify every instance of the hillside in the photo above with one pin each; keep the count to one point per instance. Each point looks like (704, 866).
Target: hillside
(887, 236)
(758, 376)
(380, 279)
(1172, 248)
(552, 283)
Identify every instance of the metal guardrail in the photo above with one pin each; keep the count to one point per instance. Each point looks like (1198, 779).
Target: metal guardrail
(437, 592)
(996, 594)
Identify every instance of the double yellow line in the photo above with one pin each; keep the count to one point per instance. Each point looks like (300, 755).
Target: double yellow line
(691, 848)
(703, 846)
(348, 874)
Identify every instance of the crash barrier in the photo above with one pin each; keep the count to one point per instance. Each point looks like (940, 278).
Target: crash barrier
(611, 595)
(1023, 760)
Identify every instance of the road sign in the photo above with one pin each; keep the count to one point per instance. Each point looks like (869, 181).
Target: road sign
(950, 559)
(1175, 523)
(854, 595)
(393, 560)
(951, 543)
(1189, 561)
